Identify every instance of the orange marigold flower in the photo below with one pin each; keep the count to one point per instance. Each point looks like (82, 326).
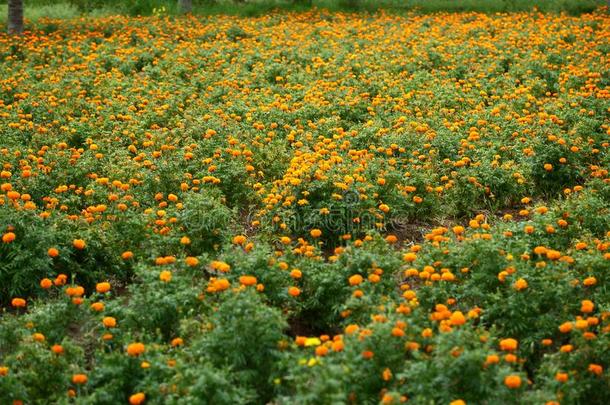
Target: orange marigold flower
(595, 369)
(520, 284)
(76, 291)
(590, 281)
(427, 333)
(239, 240)
(315, 233)
(409, 257)
(553, 254)
(60, 280)
(247, 280)
(79, 379)
(457, 318)
(57, 349)
(356, 279)
(294, 291)
(565, 327)
(8, 237)
(398, 332)
(509, 344)
(587, 306)
(216, 285)
(79, 244)
(512, 381)
(135, 349)
(321, 351)
(367, 354)
(492, 359)
(109, 322)
(338, 345)
(540, 250)
(18, 302)
(53, 252)
(220, 266)
(46, 283)
(391, 239)
(137, 399)
(458, 229)
(561, 377)
(103, 287)
(165, 276)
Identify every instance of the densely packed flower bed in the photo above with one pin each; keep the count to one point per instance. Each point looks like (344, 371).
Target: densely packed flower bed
(306, 208)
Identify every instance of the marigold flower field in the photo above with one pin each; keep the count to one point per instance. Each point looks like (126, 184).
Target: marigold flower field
(306, 208)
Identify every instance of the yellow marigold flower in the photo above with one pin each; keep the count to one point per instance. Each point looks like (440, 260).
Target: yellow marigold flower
(312, 341)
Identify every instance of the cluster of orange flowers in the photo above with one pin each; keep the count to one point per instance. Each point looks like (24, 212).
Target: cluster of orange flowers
(313, 135)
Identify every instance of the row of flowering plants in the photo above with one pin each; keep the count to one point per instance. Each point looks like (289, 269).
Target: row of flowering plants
(306, 208)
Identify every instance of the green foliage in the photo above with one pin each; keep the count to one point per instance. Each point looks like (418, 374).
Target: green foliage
(42, 9)
(206, 220)
(245, 336)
